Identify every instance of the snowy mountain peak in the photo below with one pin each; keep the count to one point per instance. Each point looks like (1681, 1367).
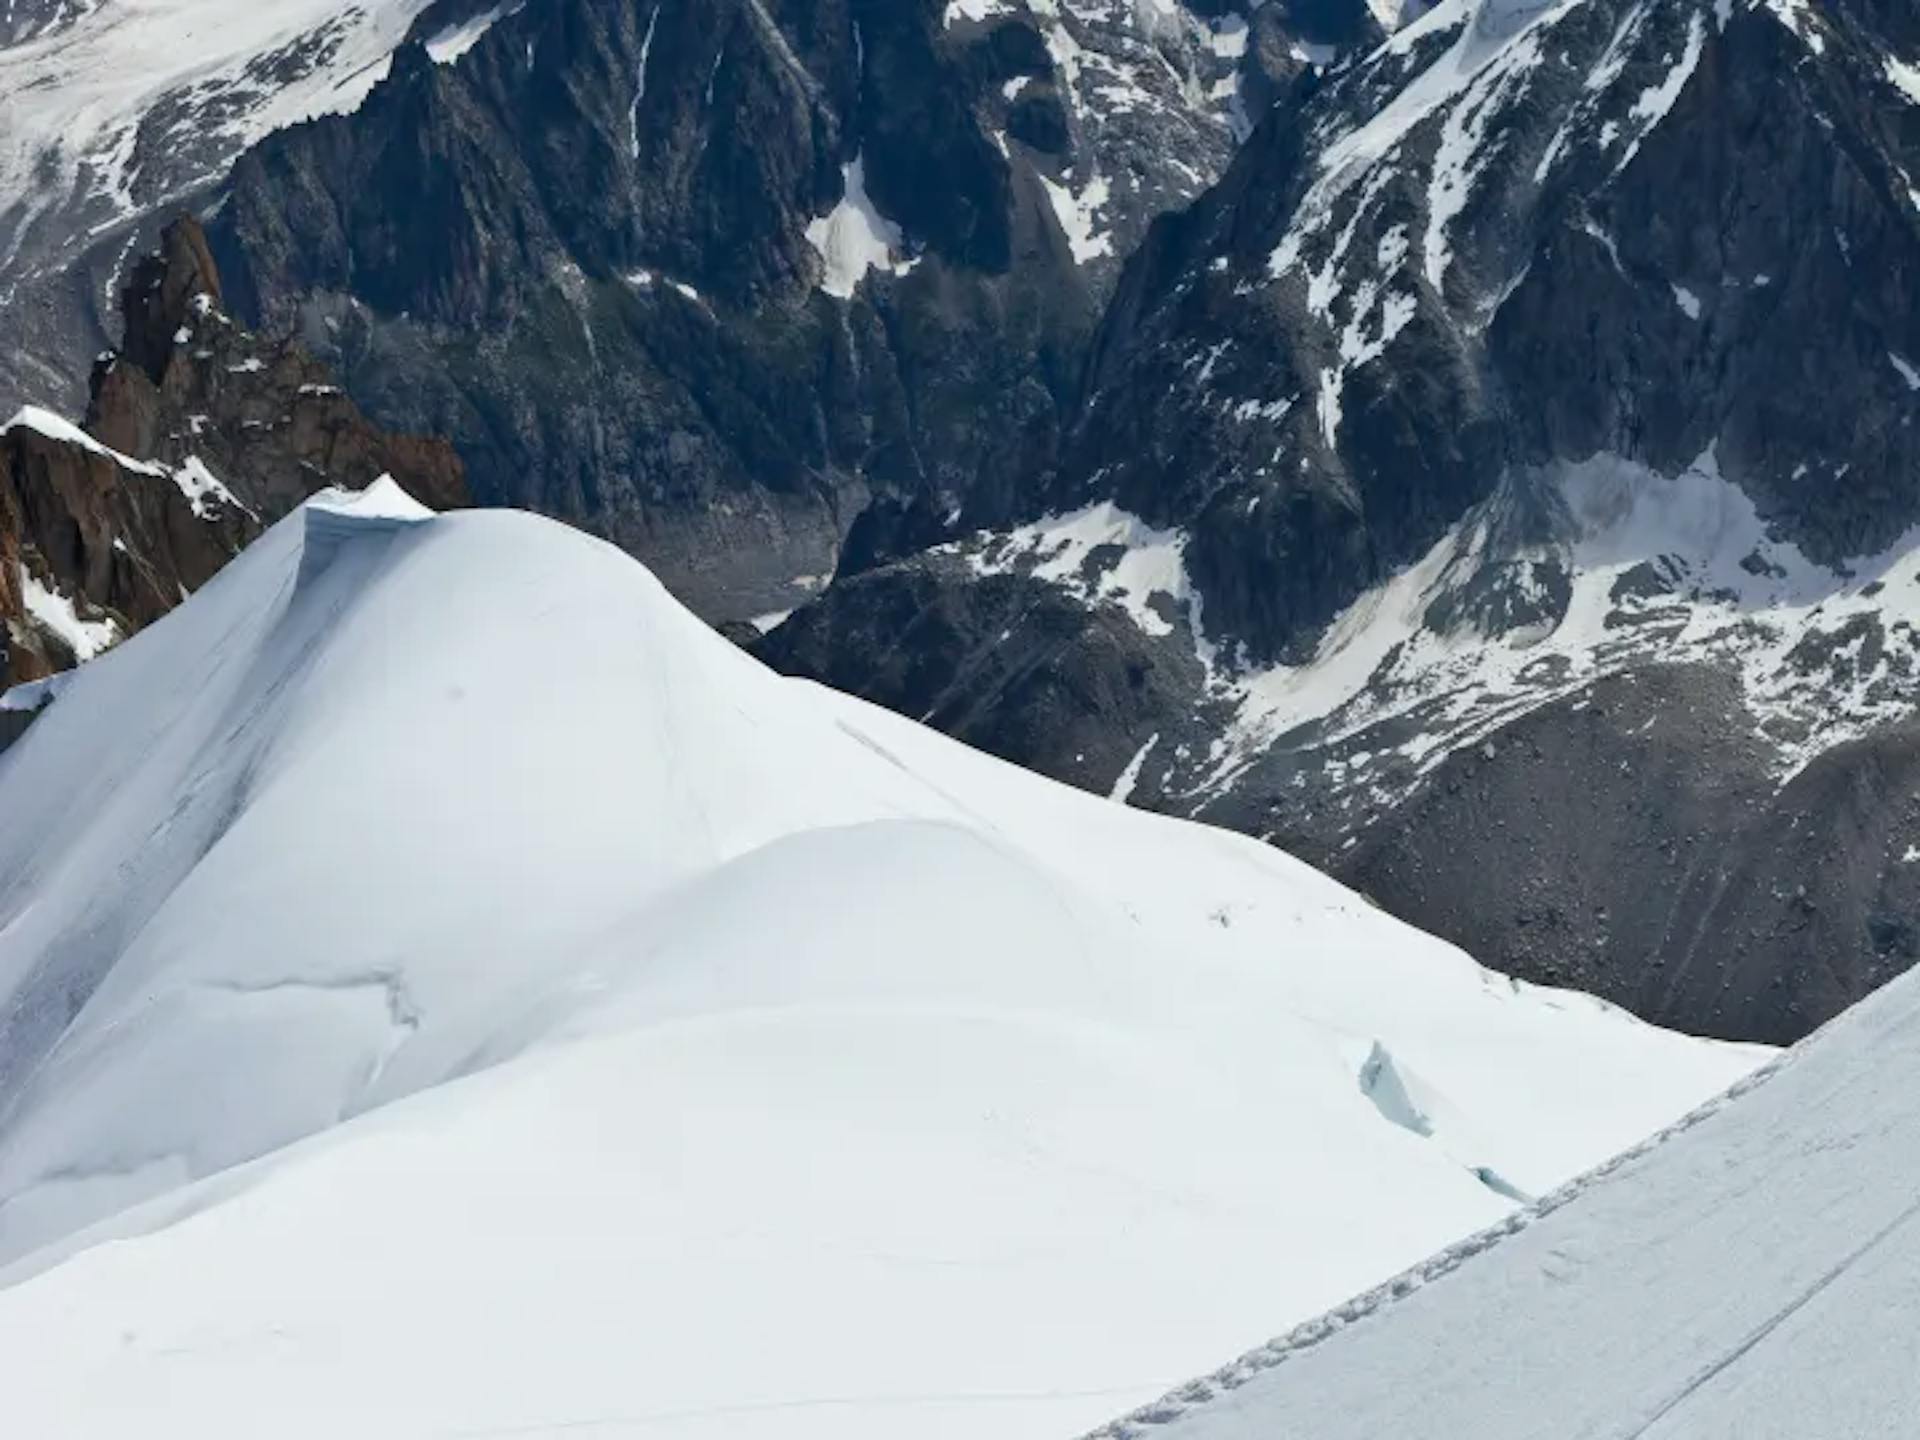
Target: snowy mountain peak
(381, 504)
(269, 849)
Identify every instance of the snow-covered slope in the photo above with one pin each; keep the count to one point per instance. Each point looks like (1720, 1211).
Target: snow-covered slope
(1751, 1276)
(756, 1058)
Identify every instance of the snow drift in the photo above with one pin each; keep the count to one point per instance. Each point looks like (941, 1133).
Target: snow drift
(444, 988)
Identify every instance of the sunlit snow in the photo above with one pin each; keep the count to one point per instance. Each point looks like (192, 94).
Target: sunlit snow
(660, 1043)
(448, 45)
(1751, 1275)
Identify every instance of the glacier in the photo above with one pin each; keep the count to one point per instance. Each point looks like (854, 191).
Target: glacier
(446, 988)
(1747, 1275)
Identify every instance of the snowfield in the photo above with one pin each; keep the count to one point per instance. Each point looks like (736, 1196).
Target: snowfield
(1751, 1276)
(447, 990)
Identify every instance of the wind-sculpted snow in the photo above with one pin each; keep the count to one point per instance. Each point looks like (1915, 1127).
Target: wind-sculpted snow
(1750, 1274)
(566, 987)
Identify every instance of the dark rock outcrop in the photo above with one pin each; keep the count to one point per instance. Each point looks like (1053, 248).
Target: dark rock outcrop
(1690, 888)
(1007, 663)
(1640, 230)
(197, 437)
(93, 546)
(593, 251)
(1536, 581)
(189, 382)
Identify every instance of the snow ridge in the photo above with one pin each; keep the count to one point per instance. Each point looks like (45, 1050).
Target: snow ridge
(538, 1012)
(1197, 1395)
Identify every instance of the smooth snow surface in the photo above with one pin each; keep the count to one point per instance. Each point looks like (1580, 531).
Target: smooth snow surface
(1752, 1277)
(665, 1047)
(31, 695)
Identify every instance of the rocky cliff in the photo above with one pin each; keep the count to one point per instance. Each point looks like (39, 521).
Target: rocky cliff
(712, 280)
(198, 435)
(1406, 433)
(1499, 373)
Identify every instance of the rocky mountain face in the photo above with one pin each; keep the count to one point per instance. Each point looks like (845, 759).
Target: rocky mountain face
(1481, 253)
(114, 114)
(23, 20)
(715, 280)
(198, 435)
(93, 544)
(190, 383)
(1500, 489)
(1403, 432)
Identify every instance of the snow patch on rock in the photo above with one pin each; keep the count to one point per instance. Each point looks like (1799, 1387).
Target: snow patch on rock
(1078, 212)
(205, 490)
(1129, 777)
(854, 237)
(1906, 78)
(1103, 553)
(57, 614)
(57, 427)
(1719, 588)
(447, 45)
